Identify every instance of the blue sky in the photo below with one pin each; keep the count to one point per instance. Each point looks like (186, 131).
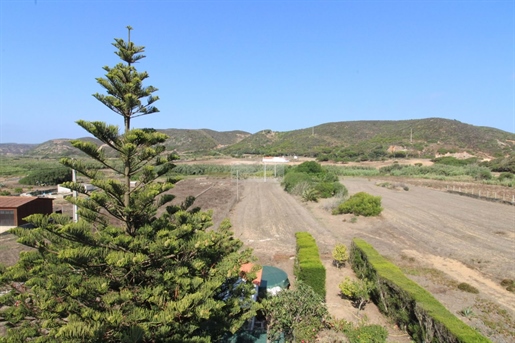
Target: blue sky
(254, 65)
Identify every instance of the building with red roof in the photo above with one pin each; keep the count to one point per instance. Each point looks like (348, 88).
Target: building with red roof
(13, 209)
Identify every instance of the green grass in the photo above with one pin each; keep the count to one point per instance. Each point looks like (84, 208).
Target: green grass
(21, 166)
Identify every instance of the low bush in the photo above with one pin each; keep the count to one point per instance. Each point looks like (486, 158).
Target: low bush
(358, 334)
(310, 181)
(292, 179)
(298, 313)
(368, 334)
(506, 176)
(310, 194)
(467, 312)
(360, 204)
(465, 287)
(453, 161)
(356, 290)
(50, 176)
(340, 255)
(509, 284)
(309, 167)
(329, 189)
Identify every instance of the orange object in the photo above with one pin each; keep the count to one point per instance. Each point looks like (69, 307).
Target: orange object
(247, 267)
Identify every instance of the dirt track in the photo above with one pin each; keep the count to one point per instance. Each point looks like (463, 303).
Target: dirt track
(467, 239)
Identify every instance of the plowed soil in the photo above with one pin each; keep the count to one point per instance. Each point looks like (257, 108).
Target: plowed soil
(441, 239)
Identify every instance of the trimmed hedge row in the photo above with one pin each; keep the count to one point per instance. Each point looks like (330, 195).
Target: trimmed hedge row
(412, 307)
(308, 267)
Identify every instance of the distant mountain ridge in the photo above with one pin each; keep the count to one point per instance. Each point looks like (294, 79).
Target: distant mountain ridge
(416, 137)
(7, 149)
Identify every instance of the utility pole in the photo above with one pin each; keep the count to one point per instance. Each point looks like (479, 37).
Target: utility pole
(75, 214)
(411, 136)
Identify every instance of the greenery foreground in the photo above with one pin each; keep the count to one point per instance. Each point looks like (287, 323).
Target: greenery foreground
(122, 274)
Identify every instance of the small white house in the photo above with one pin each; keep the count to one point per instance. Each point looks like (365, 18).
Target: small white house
(275, 160)
(63, 190)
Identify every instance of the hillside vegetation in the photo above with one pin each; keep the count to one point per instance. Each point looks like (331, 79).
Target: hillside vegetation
(338, 141)
(342, 141)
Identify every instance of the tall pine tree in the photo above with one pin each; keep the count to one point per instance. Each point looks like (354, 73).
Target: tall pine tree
(122, 273)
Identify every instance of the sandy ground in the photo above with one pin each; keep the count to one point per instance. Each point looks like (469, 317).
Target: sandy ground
(455, 238)
(467, 240)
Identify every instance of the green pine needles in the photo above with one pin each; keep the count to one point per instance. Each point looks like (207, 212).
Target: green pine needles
(122, 273)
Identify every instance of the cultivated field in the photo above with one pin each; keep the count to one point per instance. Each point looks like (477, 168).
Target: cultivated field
(439, 239)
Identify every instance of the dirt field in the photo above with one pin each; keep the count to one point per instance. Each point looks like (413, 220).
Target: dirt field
(444, 239)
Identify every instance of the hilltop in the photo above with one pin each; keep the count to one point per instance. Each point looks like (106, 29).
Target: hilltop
(346, 140)
(374, 139)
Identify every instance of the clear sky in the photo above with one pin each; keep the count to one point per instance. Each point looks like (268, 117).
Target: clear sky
(255, 65)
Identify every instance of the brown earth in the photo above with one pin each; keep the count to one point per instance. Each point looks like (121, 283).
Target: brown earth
(442, 239)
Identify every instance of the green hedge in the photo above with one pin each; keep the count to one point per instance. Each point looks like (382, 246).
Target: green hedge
(412, 307)
(308, 267)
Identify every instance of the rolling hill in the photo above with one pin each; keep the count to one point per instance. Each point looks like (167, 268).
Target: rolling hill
(338, 141)
(420, 137)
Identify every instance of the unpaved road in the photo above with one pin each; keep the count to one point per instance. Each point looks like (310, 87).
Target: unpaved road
(466, 239)
(266, 218)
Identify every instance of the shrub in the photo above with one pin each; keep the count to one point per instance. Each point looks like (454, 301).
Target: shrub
(298, 313)
(309, 167)
(343, 193)
(328, 177)
(50, 176)
(292, 179)
(453, 161)
(467, 312)
(465, 287)
(357, 290)
(509, 284)
(328, 189)
(368, 334)
(361, 204)
(506, 176)
(340, 255)
(358, 334)
(301, 187)
(310, 194)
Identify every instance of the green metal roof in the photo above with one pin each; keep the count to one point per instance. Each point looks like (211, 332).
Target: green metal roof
(274, 277)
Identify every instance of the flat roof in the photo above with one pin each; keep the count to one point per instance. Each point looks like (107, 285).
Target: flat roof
(14, 202)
